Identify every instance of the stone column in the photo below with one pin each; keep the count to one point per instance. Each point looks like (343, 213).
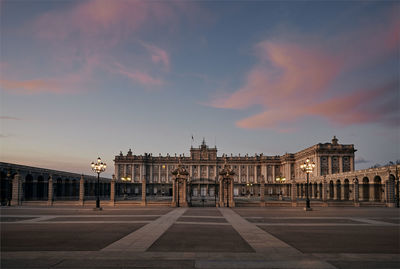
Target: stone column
(262, 192)
(273, 174)
(340, 164)
(143, 192)
(247, 173)
(221, 193)
(324, 193)
(294, 193)
(351, 163)
(112, 191)
(16, 190)
(81, 191)
(329, 165)
(231, 200)
(173, 193)
(356, 194)
(159, 173)
(184, 191)
(255, 174)
(240, 173)
(50, 191)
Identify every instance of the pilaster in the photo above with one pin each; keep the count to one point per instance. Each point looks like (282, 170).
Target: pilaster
(50, 191)
(112, 191)
(81, 191)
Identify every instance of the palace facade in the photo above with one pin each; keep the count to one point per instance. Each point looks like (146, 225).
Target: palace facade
(204, 164)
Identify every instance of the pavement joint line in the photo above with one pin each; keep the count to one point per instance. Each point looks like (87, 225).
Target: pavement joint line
(73, 222)
(141, 239)
(79, 216)
(326, 224)
(262, 264)
(206, 217)
(302, 218)
(374, 222)
(202, 223)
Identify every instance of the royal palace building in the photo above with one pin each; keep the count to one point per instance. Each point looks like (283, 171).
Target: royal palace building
(204, 165)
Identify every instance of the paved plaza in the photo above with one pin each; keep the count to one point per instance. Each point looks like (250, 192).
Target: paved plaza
(162, 237)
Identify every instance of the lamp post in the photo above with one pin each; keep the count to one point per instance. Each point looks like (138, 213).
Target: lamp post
(215, 190)
(281, 180)
(396, 185)
(307, 167)
(98, 167)
(227, 190)
(126, 180)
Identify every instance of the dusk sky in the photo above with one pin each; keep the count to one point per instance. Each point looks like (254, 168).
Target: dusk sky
(82, 79)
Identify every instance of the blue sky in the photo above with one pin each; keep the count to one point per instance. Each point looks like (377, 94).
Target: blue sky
(81, 79)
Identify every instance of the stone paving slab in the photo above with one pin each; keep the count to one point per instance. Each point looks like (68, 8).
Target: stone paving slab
(71, 237)
(200, 238)
(351, 239)
(202, 219)
(142, 239)
(262, 264)
(85, 211)
(14, 219)
(103, 218)
(303, 220)
(202, 212)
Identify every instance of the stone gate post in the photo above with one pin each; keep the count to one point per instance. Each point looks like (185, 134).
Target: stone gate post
(112, 191)
(50, 191)
(356, 191)
(16, 190)
(173, 203)
(81, 191)
(231, 200)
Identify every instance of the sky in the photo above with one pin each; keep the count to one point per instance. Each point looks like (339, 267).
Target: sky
(82, 79)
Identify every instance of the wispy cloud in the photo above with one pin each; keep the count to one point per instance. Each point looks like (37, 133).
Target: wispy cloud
(89, 35)
(295, 80)
(9, 118)
(137, 76)
(158, 55)
(30, 86)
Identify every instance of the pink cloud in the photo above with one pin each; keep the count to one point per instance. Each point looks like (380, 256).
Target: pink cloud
(292, 81)
(158, 55)
(30, 86)
(138, 76)
(88, 35)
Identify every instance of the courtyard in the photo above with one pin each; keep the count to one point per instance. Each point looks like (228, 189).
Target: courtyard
(163, 237)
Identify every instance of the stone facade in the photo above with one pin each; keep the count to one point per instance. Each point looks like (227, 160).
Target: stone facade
(203, 166)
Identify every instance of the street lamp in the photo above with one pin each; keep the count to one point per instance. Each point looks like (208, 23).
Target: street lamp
(282, 180)
(126, 180)
(98, 168)
(307, 167)
(249, 187)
